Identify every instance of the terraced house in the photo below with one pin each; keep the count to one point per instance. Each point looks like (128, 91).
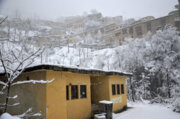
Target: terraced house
(140, 28)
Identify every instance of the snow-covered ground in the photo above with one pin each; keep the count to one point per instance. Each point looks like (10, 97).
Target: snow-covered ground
(147, 111)
(135, 111)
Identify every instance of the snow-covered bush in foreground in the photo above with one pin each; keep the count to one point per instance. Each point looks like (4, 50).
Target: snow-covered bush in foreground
(176, 105)
(8, 116)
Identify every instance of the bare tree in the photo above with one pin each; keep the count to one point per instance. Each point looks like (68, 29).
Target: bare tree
(13, 65)
(3, 20)
(13, 61)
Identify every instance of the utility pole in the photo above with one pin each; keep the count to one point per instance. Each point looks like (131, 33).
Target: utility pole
(177, 19)
(179, 7)
(177, 23)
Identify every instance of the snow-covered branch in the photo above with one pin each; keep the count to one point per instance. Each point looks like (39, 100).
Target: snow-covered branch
(3, 20)
(3, 83)
(29, 113)
(33, 82)
(14, 97)
(15, 104)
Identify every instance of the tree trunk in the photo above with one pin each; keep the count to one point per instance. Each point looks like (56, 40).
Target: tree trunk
(168, 85)
(68, 45)
(132, 90)
(7, 97)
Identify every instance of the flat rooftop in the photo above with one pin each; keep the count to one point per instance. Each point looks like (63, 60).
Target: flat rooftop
(74, 70)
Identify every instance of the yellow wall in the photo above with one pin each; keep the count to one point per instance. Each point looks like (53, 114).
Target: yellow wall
(29, 95)
(58, 106)
(102, 90)
(119, 101)
(56, 96)
(78, 108)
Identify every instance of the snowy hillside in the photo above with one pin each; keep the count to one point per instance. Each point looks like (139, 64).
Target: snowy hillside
(153, 60)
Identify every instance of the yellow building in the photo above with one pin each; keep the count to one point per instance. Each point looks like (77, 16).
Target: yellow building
(71, 94)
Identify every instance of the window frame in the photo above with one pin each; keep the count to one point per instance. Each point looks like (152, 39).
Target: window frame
(118, 89)
(81, 89)
(113, 89)
(117, 34)
(139, 31)
(131, 30)
(149, 26)
(74, 93)
(122, 88)
(124, 31)
(67, 92)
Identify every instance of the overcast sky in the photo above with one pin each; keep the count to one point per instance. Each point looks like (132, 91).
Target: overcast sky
(51, 9)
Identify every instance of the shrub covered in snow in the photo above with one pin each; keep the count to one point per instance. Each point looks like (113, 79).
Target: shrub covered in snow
(8, 116)
(176, 105)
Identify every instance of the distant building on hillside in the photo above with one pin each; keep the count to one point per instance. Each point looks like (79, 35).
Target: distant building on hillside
(144, 19)
(145, 25)
(95, 16)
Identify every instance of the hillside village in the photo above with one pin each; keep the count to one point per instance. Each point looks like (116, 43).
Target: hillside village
(91, 30)
(122, 61)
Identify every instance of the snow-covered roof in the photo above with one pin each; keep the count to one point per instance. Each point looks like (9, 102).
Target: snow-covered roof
(75, 70)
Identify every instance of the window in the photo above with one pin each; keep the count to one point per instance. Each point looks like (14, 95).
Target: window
(131, 30)
(96, 31)
(83, 91)
(109, 29)
(148, 25)
(27, 78)
(159, 28)
(117, 34)
(163, 22)
(118, 89)
(74, 92)
(124, 31)
(138, 30)
(67, 92)
(113, 89)
(102, 30)
(122, 89)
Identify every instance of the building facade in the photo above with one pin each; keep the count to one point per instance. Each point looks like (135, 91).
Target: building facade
(71, 95)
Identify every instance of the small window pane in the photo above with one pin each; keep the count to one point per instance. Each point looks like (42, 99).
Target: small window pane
(122, 89)
(74, 92)
(131, 30)
(117, 34)
(113, 89)
(67, 92)
(118, 89)
(124, 31)
(83, 91)
(27, 78)
(138, 30)
(163, 22)
(148, 26)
